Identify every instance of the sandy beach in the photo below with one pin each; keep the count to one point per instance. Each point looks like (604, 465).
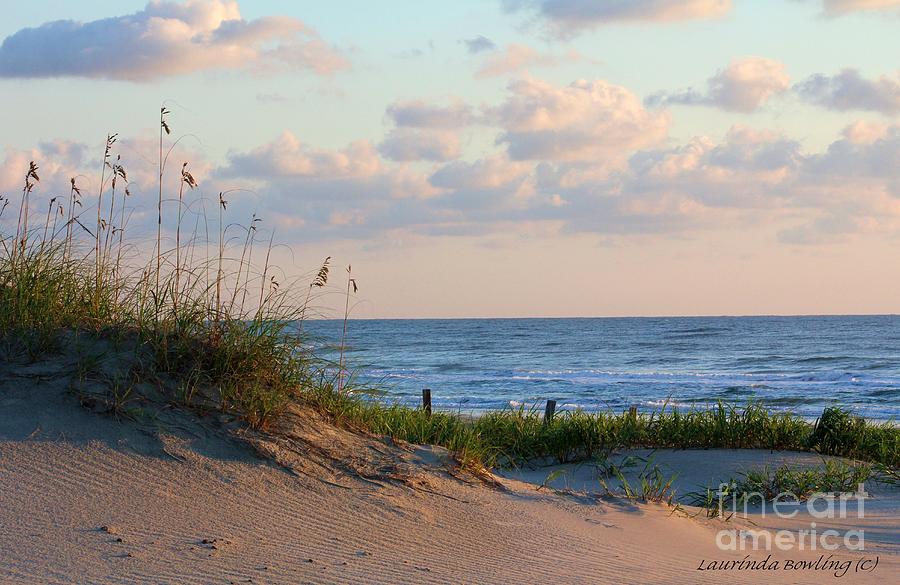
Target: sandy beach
(176, 498)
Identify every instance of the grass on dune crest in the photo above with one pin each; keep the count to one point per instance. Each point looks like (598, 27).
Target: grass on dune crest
(253, 360)
(226, 326)
(220, 323)
(517, 436)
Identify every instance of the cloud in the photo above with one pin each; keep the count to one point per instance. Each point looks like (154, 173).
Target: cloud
(167, 39)
(749, 177)
(421, 114)
(425, 131)
(567, 17)
(579, 158)
(479, 44)
(744, 85)
(58, 161)
(852, 188)
(584, 121)
(493, 172)
(848, 90)
(874, 154)
(407, 144)
(838, 7)
(518, 58)
(286, 156)
(325, 190)
(863, 132)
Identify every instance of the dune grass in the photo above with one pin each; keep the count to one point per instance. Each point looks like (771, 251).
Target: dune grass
(517, 436)
(784, 484)
(834, 476)
(224, 327)
(221, 325)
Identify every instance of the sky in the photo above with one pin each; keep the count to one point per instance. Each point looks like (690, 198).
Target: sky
(496, 158)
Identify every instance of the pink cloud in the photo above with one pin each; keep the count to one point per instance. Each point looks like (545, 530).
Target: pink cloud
(167, 39)
(849, 90)
(422, 114)
(567, 17)
(409, 144)
(585, 120)
(493, 172)
(837, 7)
(286, 156)
(518, 58)
(745, 85)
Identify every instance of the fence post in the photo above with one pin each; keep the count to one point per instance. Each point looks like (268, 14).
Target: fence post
(549, 411)
(632, 412)
(426, 400)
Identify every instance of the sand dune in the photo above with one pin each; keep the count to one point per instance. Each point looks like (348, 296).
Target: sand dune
(176, 498)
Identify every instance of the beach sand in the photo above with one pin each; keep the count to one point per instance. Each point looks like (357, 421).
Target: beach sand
(173, 497)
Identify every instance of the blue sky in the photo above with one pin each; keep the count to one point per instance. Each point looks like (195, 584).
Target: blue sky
(648, 143)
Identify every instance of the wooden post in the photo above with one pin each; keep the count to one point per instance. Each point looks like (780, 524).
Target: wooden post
(426, 400)
(632, 412)
(548, 412)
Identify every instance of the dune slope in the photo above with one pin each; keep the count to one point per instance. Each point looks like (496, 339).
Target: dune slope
(171, 497)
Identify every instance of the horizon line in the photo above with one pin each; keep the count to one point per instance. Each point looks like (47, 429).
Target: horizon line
(572, 317)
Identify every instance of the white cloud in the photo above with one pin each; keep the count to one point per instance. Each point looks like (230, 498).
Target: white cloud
(166, 39)
(570, 16)
(848, 90)
(584, 121)
(744, 85)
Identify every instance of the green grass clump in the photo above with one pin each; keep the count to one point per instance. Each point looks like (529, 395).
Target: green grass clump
(650, 485)
(41, 294)
(801, 483)
(784, 484)
(520, 435)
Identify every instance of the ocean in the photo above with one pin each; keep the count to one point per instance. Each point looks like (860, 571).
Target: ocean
(797, 364)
